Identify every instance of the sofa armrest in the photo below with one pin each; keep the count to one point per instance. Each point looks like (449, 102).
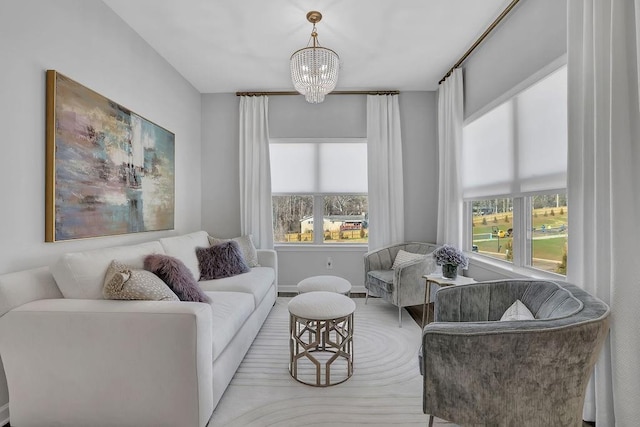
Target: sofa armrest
(132, 363)
(26, 286)
(410, 287)
(269, 258)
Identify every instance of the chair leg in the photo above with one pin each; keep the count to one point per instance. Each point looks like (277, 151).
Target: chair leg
(366, 298)
(430, 420)
(400, 317)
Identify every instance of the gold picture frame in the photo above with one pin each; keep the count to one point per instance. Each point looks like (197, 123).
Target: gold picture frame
(109, 171)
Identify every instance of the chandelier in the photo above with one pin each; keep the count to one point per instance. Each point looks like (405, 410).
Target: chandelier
(314, 69)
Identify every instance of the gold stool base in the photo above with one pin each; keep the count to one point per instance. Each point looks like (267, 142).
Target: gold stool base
(315, 346)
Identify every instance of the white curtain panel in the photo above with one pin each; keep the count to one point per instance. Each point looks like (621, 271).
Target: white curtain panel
(384, 154)
(450, 119)
(255, 175)
(604, 191)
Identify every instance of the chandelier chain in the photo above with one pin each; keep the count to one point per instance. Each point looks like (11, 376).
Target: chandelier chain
(314, 69)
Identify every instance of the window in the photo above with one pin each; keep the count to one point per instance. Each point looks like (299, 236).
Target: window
(292, 218)
(514, 177)
(319, 190)
(549, 232)
(492, 225)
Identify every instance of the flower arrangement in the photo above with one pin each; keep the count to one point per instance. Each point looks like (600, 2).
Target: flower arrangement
(448, 254)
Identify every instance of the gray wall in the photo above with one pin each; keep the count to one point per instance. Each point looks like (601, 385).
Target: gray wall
(532, 36)
(337, 116)
(220, 165)
(86, 41)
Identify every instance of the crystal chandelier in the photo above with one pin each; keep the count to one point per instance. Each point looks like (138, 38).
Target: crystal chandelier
(314, 69)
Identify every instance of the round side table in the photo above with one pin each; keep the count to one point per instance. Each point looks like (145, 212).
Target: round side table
(321, 338)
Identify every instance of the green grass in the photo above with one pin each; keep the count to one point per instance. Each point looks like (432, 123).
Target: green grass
(549, 248)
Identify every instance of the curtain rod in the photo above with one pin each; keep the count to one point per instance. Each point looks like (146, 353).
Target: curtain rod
(335, 92)
(484, 35)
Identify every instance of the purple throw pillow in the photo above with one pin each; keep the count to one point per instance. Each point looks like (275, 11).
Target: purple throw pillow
(177, 276)
(222, 260)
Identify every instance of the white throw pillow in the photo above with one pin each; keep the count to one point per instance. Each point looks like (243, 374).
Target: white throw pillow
(247, 248)
(81, 274)
(517, 311)
(404, 256)
(184, 248)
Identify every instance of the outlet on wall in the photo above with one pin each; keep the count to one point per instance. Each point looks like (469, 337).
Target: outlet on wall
(329, 263)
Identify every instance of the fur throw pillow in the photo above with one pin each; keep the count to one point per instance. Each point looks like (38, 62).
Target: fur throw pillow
(222, 260)
(177, 275)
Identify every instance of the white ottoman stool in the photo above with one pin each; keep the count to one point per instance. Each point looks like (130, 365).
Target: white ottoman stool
(324, 283)
(321, 338)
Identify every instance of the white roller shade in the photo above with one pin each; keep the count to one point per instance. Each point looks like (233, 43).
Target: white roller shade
(487, 154)
(293, 168)
(520, 147)
(318, 167)
(542, 134)
(343, 168)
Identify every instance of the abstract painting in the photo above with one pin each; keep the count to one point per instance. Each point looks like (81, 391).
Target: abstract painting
(109, 170)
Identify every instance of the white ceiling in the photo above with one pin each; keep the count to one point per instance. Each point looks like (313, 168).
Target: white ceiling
(244, 45)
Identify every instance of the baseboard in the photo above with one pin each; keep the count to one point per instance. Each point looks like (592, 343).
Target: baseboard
(292, 289)
(4, 415)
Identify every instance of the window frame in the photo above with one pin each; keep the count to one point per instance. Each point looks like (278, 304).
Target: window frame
(522, 237)
(522, 206)
(318, 198)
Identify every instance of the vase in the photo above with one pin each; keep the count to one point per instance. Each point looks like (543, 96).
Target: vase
(449, 271)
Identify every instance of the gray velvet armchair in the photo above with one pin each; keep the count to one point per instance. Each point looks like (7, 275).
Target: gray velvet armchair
(481, 371)
(403, 286)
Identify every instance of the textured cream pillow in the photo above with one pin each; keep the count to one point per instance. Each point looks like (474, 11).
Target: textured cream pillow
(247, 248)
(404, 256)
(517, 311)
(124, 283)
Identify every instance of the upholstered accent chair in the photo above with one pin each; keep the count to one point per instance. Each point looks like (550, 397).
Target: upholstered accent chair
(482, 371)
(404, 285)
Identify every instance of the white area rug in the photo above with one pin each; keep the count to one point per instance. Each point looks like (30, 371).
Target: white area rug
(385, 389)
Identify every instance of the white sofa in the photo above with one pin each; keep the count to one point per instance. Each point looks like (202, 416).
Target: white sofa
(72, 358)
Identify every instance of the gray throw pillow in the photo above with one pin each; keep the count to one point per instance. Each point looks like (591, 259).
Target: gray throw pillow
(246, 245)
(121, 282)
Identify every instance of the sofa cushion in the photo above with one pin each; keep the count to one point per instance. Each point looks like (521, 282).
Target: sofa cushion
(184, 248)
(81, 274)
(382, 279)
(256, 282)
(230, 311)
(221, 260)
(177, 276)
(26, 286)
(122, 282)
(246, 245)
